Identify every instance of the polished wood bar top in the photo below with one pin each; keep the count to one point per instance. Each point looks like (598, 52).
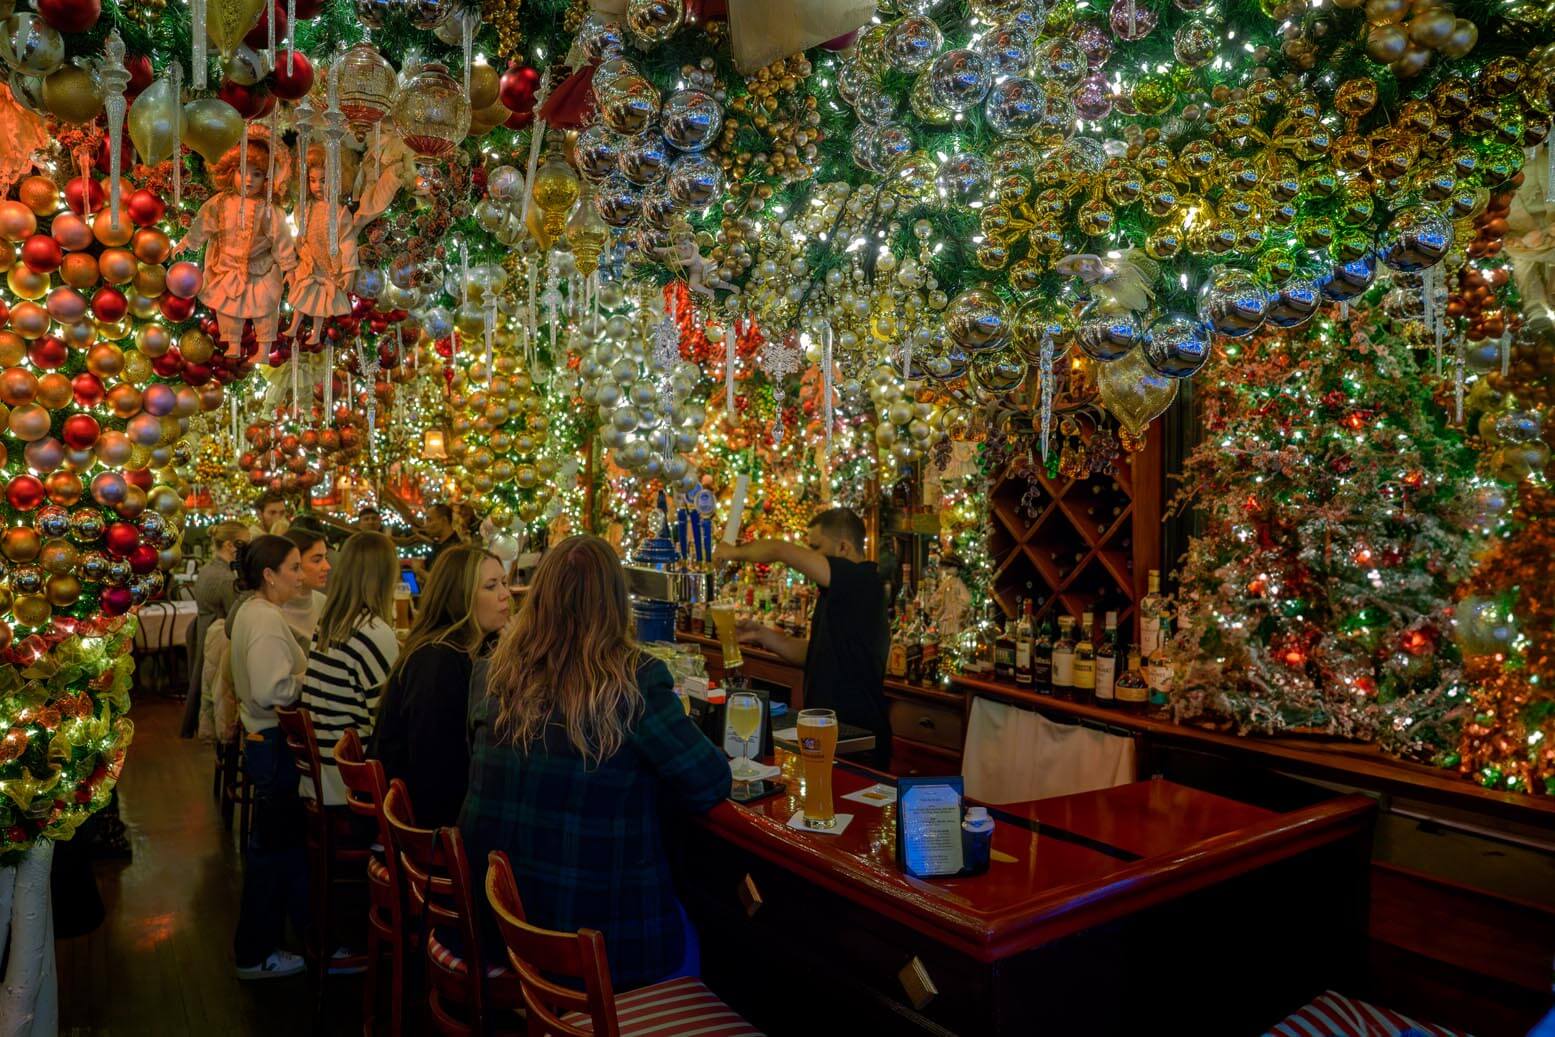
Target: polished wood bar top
(1332, 759)
(1048, 879)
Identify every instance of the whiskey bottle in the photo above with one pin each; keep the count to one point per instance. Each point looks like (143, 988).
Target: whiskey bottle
(1159, 671)
(1107, 663)
(1042, 660)
(1131, 690)
(1063, 657)
(1151, 608)
(1004, 652)
(1024, 640)
(1085, 659)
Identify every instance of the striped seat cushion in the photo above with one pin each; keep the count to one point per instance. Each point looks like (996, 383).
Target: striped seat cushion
(451, 961)
(377, 871)
(675, 1008)
(1334, 1015)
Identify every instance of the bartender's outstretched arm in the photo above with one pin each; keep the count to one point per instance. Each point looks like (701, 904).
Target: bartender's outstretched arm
(764, 552)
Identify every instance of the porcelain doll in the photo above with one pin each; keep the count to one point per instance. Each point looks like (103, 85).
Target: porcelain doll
(321, 283)
(248, 243)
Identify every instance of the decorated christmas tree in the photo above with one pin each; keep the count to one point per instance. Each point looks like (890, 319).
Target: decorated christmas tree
(1319, 597)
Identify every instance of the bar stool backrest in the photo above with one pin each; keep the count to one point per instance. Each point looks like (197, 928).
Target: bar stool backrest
(540, 956)
(297, 725)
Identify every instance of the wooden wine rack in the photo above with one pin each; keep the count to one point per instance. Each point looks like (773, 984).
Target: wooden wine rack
(1078, 544)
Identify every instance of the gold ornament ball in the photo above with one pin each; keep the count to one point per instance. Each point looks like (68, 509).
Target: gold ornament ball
(196, 346)
(62, 590)
(1386, 43)
(31, 610)
(1383, 12)
(71, 94)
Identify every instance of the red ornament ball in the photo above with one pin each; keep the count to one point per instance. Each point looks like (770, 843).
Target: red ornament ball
(141, 477)
(291, 85)
(143, 559)
(121, 538)
(24, 492)
(109, 305)
(42, 254)
(80, 431)
(71, 15)
(259, 36)
(88, 389)
(176, 308)
(141, 73)
(516, 88)
(518, 120)
(85, 196)
(144, 207)
(197, 374)
(248, 100)
(116, 601)
(48, 352)
(168, 364)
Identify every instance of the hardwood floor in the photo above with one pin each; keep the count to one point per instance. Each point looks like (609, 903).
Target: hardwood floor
(161, 962)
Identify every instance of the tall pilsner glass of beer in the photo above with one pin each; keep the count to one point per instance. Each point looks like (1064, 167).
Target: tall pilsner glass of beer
(725, 622)
(818, 747)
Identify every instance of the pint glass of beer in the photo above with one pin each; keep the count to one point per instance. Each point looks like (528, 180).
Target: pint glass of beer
(724, 622)
(818, 747)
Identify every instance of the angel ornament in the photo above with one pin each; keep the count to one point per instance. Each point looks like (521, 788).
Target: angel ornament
(248, 244)
(683, 256)
(321, 281)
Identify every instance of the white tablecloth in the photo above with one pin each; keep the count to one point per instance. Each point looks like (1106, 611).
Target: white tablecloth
(164, 624)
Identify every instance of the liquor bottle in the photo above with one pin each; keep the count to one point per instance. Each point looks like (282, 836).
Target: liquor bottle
(1159, 673)
(1151, 607)
(1024, 639)
(896, 657)
(1085, 659)
(912, 636)
(1107, 663)
(987, 641)
(903, 595)
(929, 653)
(1004, 652)
(1063, 657)
(1042, 660)
(1132, 691)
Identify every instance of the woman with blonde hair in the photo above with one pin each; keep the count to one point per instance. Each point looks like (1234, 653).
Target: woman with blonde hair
(420, 734)
(578, 743)
(353, 650)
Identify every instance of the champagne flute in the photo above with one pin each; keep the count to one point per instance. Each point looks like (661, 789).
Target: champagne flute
(744, 715)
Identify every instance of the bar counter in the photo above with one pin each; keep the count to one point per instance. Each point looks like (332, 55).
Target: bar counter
(1102, 912)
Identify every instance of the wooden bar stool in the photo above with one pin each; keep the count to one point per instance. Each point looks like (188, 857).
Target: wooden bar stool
(542, 956)
(366, 789)
(337, 857)
(465, 994)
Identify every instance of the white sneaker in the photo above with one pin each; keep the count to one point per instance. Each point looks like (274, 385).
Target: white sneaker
(277, 965)
(340, 954)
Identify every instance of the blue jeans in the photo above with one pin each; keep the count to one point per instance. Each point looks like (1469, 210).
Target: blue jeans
(275, 864)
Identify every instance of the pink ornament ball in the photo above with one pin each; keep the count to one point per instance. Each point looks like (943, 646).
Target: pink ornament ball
(158, 399)
(184, 280)
(116, 601)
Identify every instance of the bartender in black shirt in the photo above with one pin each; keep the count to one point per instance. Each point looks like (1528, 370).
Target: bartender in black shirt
(844, 659)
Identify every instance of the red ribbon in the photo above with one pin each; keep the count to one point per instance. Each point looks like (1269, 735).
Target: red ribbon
(569, 105)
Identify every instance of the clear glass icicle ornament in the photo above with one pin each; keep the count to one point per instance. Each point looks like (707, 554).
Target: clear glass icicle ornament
(334, 132)
(113, 77)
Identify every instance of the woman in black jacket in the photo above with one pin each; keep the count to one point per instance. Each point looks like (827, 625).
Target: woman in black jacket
(421, 734)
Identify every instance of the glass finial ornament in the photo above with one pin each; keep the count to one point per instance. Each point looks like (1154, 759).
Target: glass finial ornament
(588, 234)
(432, 114)
(367, 86)
(555, 190)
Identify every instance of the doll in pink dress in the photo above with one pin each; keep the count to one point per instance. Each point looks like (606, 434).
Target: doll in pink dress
(249, 244)
(321, 283)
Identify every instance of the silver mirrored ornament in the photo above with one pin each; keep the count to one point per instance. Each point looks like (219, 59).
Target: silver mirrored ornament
(1294, 302)
(629, 106)
(696, 181)
(976, 320)
(1416, 238)
(1107, 336)
(959, 79)
(644, 159)
(1233, 303)
(1015, 107)
(912, 43)
(691, 120)
(1177, 346)
(651, 22)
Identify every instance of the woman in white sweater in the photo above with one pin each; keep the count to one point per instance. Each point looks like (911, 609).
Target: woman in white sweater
(353, 650)
(267, 670)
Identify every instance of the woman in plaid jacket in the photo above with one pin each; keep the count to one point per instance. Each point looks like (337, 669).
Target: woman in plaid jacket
(579, 746)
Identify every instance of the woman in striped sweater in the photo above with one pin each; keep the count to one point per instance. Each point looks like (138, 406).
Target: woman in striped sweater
(353, 649)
